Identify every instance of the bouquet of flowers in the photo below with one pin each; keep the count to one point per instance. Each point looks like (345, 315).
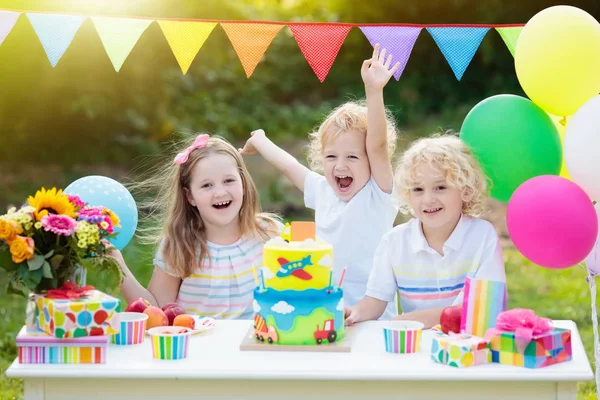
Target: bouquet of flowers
(54, 237)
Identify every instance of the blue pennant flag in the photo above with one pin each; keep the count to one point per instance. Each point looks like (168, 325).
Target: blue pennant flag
(458, 45)
(56, 32)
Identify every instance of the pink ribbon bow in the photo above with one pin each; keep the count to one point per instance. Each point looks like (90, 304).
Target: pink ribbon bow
(69, 291)
(524, 323)
(200, 142)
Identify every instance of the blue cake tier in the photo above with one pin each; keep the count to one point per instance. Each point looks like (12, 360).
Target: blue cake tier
(306, 317)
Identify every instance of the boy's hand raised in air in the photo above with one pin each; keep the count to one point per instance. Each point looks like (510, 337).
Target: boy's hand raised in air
(376, 71)
(250, 147)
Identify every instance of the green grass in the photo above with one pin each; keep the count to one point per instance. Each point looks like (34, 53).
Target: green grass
(554, 294)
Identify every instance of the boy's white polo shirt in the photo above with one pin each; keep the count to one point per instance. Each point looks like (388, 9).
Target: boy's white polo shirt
(424, 279)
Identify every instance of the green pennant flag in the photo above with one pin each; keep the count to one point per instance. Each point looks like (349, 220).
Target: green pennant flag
(510, 36)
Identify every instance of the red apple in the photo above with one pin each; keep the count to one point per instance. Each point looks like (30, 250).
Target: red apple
(137, 305)
(172, 310)
(450, 319)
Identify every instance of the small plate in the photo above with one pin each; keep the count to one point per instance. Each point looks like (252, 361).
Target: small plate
(202, 324)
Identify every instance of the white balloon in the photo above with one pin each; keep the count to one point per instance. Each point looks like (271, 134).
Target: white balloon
(582, 147)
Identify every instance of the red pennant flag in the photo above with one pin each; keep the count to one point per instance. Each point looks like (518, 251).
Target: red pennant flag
(320, 44)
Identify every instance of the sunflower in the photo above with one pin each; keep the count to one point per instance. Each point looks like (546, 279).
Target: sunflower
(51, 202)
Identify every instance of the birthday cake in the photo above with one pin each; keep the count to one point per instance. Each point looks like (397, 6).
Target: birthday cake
(296, 302)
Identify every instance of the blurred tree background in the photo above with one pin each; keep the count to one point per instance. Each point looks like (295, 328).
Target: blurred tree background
(82, 117)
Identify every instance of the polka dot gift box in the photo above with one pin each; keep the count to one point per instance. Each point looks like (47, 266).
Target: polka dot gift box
(459, 350)
(96, 314)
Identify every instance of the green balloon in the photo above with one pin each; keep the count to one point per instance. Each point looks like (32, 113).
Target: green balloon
(514, 141)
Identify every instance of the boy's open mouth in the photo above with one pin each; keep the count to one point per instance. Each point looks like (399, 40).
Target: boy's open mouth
(343, 181)
(432, 210)
(222, 205)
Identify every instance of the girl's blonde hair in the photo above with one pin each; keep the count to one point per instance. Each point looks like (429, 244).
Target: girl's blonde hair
(177, 225)
(349, 117)
(455, 160)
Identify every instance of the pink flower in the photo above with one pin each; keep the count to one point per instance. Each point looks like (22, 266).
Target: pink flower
(59, 224)
(76, 201)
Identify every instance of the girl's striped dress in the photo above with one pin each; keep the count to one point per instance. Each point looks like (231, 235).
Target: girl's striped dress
(224, 288)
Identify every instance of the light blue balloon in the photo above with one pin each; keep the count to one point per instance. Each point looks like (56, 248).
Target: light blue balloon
(106, 192)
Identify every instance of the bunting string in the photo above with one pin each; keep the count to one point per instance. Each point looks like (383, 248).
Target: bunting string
(319, 42)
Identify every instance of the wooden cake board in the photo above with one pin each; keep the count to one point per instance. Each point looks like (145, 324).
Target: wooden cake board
(252, 344)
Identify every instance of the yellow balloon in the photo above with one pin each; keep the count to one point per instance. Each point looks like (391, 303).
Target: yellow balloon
(561, 126)
(557, 59)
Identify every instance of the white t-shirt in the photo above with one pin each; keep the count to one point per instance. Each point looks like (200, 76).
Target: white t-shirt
(353, 228)
(404, 262)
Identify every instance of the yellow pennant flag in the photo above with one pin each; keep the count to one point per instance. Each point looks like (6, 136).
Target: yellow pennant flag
(250, 41)
(119, 35)
(186, 38)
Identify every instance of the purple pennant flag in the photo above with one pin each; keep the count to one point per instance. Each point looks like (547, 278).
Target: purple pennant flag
(397, 40)
(7, 21)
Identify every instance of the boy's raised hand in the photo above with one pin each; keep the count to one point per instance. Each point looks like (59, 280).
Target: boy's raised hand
(376, 71)
(249, 147)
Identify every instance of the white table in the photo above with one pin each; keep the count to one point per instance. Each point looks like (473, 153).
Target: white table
(217, 369)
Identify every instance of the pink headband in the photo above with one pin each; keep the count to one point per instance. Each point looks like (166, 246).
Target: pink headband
(200, 142)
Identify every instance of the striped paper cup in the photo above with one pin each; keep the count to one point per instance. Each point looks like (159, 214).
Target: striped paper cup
(132, 329)
(170, 342)
(402, 337)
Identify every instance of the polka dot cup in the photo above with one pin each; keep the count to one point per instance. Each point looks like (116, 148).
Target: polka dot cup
(133, 328)
(402, 337)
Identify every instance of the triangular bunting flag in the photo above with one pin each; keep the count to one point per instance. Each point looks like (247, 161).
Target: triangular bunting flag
(250, 41)
(119, 35)
(56, 32)
(320, 44)
(510, 36)
(397, 40)
(186, 38)
(8, 19)
(458, 45)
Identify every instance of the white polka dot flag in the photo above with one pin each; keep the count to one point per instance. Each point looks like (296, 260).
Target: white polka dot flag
(119, 35)
(56, 32)
(510, 35)
(250, 41)
(186, 39)
(8, 19)
(458, 45)
(320, 44)
(397, 40)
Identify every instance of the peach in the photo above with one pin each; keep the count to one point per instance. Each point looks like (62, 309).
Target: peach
(156, 317)
(172, 310)
(184, 320)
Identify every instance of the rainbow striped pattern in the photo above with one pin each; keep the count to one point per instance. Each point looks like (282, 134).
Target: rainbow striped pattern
(133, 329)
(403, 340)
(170, 347)
(483, 301)
(543, 350)
(36, 347)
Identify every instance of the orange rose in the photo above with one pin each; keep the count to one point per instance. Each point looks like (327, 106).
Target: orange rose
(21, 249)
(8, 230)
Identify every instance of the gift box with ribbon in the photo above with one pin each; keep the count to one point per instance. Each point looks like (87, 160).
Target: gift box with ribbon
(72, 311)
(459, 350)
(523, 339)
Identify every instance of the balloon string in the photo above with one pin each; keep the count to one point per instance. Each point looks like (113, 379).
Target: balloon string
(592, 282)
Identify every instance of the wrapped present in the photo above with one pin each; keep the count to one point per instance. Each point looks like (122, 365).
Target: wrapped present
(525, 340)
(37, 347)
(483, 301)
(73, 314)
(459, 350)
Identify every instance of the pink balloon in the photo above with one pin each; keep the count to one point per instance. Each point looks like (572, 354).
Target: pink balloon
(552, 221)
